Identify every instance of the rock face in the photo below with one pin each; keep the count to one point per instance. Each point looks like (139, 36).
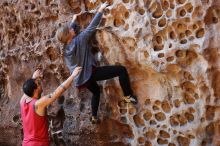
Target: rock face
(171, 50)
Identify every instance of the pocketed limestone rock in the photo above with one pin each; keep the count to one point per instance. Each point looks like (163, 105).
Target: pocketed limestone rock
(170, 49)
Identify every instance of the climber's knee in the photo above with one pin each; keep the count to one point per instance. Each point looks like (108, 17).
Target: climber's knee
(122, 70)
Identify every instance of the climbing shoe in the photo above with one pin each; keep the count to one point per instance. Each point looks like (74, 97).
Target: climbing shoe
(130, 99)
(94, 120)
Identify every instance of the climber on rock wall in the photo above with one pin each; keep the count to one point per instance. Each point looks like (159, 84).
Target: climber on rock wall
(33, 108)
(77, 52)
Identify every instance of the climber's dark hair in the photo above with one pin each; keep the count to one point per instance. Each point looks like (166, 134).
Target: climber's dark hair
(29, 86)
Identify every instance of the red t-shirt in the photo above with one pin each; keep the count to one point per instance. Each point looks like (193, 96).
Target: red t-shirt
(35, 127)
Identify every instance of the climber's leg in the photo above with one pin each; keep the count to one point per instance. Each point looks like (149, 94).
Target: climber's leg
(108, 72)
(94, 88)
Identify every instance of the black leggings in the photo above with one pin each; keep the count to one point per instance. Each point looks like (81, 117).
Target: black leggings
(104, 73)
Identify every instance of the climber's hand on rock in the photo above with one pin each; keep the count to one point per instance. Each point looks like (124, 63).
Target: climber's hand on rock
(37, 74)
(103, 6)
(76, 71)
(75, 16)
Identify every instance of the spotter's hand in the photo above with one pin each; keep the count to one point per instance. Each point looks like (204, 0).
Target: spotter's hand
(76, 71)
(37, 74)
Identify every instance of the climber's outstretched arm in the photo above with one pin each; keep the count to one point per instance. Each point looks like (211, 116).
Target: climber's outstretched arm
(50, 98)
(87, 33)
